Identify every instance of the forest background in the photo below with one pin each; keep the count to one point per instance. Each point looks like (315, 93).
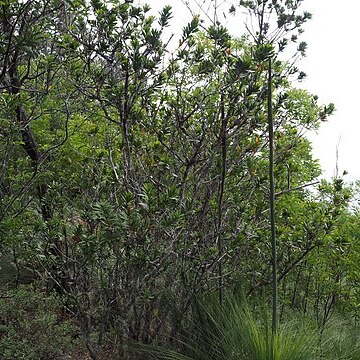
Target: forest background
(134, 178)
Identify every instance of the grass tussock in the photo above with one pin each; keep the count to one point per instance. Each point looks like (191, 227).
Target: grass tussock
(233, 331)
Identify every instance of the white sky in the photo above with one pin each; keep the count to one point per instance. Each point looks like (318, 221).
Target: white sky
(333, 74)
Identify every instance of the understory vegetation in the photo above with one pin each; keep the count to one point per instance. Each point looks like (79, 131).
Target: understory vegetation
(233, 330)
(134, 189)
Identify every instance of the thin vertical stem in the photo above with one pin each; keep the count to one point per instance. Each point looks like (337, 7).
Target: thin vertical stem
(221, 196)
(272, 205)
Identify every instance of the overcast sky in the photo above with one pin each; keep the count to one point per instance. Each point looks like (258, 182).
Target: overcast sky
(333, 74)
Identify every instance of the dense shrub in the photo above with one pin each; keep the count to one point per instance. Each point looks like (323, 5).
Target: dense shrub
(31, 327)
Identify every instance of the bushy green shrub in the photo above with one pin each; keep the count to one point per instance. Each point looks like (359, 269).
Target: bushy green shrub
(30, 327)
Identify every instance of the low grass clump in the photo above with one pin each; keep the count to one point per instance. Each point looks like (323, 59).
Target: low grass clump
(233, 331)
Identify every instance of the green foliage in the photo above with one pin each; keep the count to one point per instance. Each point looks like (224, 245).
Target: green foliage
(30, 327)
(190, 29)
(124, 163)
(340, 340)
(165, 16)
(235, 331)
